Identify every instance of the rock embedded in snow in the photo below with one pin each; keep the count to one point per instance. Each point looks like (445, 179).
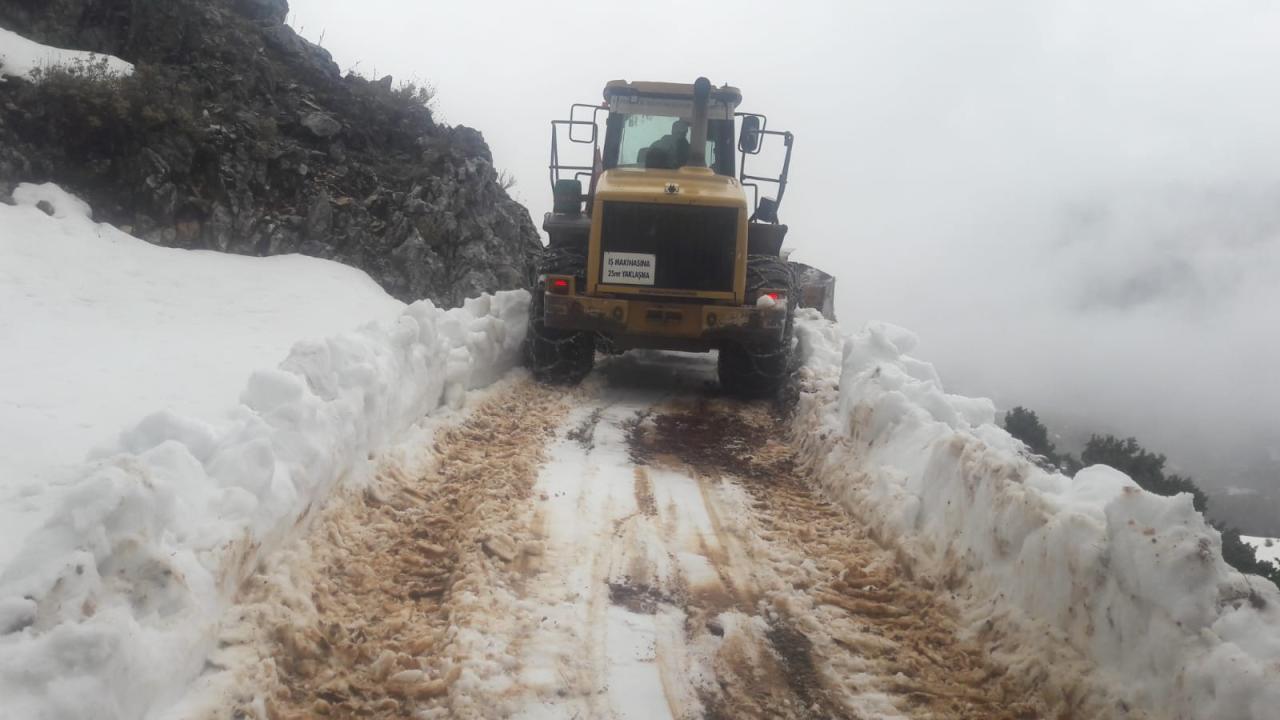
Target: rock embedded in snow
(407, 677)
(501, 545)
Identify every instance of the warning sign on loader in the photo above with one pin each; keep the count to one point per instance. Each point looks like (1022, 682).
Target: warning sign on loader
(623, 268)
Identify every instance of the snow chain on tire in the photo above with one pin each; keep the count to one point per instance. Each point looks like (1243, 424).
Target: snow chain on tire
(760, 369)
(555, 355)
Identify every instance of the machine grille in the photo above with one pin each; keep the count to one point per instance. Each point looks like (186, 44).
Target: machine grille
(693, 246)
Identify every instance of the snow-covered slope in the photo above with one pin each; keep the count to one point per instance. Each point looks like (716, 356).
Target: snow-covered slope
(1267, 549)
(107, 608)
(19, 56)
(1091, 578)
(101, 329)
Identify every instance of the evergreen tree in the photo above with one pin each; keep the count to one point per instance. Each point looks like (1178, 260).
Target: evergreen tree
(1025, 425)
(1070, 464)
(1175, 484)
(1127, 456)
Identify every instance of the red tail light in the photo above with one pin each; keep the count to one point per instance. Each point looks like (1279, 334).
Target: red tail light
(558, 285)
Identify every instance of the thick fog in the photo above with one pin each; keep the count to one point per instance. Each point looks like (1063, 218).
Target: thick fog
(1075, 204)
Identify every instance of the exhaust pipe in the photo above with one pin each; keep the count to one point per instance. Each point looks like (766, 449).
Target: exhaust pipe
(698, 138)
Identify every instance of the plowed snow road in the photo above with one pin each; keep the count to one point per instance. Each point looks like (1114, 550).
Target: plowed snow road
(634, 548)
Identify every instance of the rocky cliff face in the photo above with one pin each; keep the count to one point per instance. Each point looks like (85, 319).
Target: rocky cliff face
(235, 134)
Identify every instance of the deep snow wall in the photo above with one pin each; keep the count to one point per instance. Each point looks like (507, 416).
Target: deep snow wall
(235, 134)
(100, 329)
(1118, 597)
(110, 608)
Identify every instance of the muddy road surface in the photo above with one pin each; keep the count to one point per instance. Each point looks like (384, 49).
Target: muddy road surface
(637, 547)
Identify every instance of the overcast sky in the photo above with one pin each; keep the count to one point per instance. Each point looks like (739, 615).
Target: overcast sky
(1075, 204)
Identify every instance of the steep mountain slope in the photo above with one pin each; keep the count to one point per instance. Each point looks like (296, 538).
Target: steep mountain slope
(235, 134)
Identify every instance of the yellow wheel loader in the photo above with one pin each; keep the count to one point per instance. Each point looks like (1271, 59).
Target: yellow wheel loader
(656, 243)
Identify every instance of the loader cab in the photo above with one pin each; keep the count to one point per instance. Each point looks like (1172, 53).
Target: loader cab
(649, 125)
(637, 128)
(643, 135)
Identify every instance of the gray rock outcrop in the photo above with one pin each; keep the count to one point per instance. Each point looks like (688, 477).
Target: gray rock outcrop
(236, 134)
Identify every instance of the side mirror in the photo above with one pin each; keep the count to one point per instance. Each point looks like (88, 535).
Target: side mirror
(749, 138)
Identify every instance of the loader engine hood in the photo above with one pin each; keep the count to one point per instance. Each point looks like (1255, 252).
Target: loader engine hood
(682, 186)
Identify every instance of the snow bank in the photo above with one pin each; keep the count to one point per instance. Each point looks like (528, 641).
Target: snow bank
(1091, 570)
(108, 609)
(100, 329)
(19, 56)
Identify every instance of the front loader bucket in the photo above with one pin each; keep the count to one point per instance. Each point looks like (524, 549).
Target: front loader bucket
(817, 289)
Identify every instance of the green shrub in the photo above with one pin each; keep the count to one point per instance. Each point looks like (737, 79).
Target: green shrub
(423, 95)
(93, 113)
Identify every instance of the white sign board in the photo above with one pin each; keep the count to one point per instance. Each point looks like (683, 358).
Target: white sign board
(623, 268)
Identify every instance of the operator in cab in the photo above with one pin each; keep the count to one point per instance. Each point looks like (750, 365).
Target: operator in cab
(670, 151)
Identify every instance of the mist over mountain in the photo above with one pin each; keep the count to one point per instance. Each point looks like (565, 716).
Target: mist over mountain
(1075, 204)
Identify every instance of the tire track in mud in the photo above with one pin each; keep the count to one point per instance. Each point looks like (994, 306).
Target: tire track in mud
(367, 624)
(846, 631)
(638, 557)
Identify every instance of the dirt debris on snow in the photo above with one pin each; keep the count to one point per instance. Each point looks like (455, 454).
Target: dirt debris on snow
(363, 626)
(611, 552)
(853, 601)
(584, 433)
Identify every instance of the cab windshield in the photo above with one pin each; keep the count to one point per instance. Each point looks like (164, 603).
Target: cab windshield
(657, 141)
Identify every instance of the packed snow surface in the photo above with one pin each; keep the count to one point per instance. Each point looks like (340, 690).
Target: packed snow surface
(108, 607)
(101, 329)
(1086, 569)
(630, 548)
(20, 56)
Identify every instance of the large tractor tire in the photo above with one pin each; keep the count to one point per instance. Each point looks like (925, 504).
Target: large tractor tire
(556, 356)
(756, 370)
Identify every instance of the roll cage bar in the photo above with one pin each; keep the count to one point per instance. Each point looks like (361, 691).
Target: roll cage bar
(578, 171)
(753, 181)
